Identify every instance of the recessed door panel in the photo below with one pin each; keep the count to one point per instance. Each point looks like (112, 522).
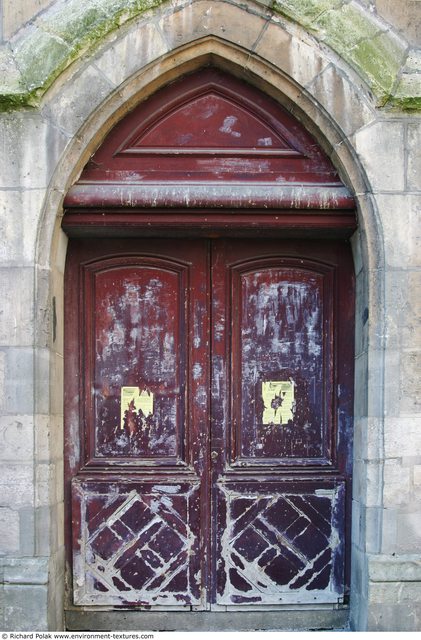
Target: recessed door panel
(138, 346)
(136, 543)
(281, 363)
(281, 542)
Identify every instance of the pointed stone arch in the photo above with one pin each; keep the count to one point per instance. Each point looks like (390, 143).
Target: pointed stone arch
(332, 127)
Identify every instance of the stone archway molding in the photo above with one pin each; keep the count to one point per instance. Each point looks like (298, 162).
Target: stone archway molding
(69, 29)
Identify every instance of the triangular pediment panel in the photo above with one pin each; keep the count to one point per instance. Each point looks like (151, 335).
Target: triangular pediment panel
(211, 122)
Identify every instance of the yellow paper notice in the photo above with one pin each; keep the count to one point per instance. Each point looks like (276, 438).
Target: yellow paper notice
(134, 399)
(278, 401)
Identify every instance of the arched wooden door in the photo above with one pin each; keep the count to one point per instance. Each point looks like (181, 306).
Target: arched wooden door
(209, 359)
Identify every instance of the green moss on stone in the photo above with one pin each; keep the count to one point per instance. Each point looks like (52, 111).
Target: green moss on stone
(379, 61)
(40, 57)
(69, 28)
(74, 20)
(408, 93)
(305, 12)
(343, 28)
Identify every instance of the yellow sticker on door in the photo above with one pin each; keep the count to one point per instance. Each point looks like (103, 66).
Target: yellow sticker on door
(278, 401)
(134, 399)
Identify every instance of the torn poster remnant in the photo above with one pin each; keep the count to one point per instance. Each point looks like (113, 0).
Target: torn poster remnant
(134, 399)
(278, 400)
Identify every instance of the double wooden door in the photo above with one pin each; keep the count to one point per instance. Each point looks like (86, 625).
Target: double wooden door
(208, 422)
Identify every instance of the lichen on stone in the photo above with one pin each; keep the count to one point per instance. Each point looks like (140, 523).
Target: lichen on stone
(68, 29)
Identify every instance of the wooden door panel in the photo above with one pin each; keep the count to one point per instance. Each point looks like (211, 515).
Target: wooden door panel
(137, 343)
(281, 361)
(136, 543)
(282, 387)
(282, 542)
(137, 423)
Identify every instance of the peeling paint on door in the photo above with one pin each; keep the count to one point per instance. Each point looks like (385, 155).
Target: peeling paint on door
(211, 467)
(134, 545)
(281, 546)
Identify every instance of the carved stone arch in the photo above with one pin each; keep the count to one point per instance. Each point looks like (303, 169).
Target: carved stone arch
(264, 76)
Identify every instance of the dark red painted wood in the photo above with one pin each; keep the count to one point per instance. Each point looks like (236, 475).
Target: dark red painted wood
(281, 479)
(136, 474)
(197, 222)
(182, 145)
(145, 314)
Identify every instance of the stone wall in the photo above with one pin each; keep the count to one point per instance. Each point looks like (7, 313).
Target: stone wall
(374, 140)
(404, 15)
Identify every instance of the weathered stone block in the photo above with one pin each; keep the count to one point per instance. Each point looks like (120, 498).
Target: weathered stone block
(372, 532)
(18, 395)
(401, 434)
(403, 300)
(400, 215)
(48, 438)
(379, 59)
(381, 149)
(29, 150)
(43, 377)
(201, 19)
(397, 483)
(375, 389)
(395, 568)
(395, 592)
(361, 314)
(44, 484)
(16, 485)
(17, 12)
(410, 383)
(361, 386)
(294, 56)
(25, 607)
(305, 11)
(49, 528)
(414, 156)
(26, 570)
(345, 101)
(67, 109)
(140, 46)
(405, 16)
(392, 367)
(394, 617)
(417, 475)
(411, 337)
(27, 531)
(39, 55)
(16, 326)
(388, 531)
(409, 529)
(19, 215)
(369, 438)
(16, 438)
(9, 531)
(43, 520)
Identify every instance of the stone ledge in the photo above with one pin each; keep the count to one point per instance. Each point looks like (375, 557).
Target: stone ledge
(402, 568)
(40, 51)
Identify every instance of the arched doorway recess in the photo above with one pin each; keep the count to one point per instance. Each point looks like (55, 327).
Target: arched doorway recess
(209, 379)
